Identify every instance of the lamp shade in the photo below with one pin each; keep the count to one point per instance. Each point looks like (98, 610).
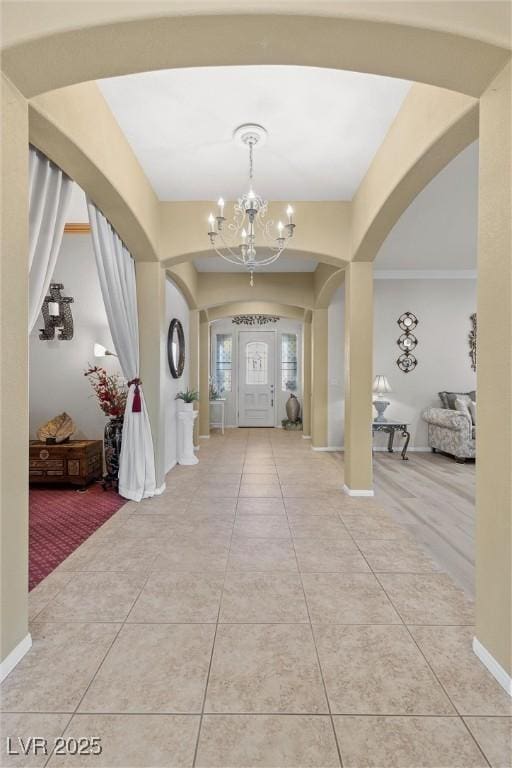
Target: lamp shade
(381, 385)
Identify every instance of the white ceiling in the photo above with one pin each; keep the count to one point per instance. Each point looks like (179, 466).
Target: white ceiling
(439, 229)
(324, 128)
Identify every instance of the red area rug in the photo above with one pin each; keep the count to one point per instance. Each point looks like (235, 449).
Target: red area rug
(60, 520)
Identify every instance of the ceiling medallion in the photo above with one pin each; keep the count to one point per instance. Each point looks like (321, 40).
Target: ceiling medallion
(254, 319)
(236, 241)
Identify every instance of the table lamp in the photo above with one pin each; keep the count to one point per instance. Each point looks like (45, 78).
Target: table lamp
(381, 387)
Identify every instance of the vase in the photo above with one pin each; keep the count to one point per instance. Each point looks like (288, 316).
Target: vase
(112, 449)
(292, 408)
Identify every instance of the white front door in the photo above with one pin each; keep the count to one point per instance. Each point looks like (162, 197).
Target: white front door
(256, 378)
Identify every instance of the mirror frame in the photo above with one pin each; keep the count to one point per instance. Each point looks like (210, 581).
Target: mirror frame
(176, 371)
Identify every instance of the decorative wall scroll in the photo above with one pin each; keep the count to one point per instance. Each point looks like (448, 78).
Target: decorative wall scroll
(57, 315)
(407, 342)
(254, 319)
(472, 341)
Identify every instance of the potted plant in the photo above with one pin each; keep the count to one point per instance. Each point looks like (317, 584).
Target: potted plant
(188, 397)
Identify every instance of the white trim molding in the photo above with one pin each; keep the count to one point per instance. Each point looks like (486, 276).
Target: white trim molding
(204, 437)
(493, 666)
(355, 492)
(331, 448)
(15, 656)
(306, 437)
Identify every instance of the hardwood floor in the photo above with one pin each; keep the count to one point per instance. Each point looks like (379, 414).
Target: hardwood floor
(434, 497)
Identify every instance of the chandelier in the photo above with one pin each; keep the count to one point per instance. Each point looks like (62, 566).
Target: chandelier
(236, 241)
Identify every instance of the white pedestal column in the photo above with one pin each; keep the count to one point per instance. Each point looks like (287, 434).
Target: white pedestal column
(186, 418)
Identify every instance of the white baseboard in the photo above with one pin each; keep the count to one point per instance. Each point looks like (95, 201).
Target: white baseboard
(493, 666)
(15, 656)
(197, 447)
(306, 437)
(396, 449)
(204, 437)
(354, 492)
(331, 448)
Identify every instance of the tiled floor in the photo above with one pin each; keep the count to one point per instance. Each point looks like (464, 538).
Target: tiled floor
(255, 616)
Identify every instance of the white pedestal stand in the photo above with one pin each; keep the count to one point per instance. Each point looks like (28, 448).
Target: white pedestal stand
(186, 418)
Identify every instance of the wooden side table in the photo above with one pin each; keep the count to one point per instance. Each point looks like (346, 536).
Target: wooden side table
(220, 404)
(390, 427)
(78, 462)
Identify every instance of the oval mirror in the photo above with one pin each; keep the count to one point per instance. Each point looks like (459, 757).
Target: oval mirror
(176, 348)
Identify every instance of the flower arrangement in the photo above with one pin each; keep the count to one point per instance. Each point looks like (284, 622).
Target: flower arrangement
(188, 396)
(109, 389)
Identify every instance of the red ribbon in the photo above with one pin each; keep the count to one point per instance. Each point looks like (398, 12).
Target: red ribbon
(136, 404)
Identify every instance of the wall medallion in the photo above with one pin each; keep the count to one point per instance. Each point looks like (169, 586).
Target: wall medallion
(407, 341)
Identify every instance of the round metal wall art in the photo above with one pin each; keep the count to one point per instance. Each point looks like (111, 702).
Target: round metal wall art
(176, 348)
(407, 362)
(407, 322)
(407, 342)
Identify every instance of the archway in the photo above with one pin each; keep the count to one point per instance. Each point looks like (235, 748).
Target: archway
(423, 55)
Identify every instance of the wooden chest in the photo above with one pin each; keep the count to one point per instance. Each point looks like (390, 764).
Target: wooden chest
(77, 461)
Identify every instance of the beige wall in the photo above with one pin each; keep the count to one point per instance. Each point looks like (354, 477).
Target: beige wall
(369, 45)
(306, 367)
(494, 376)
(319, 370)
(152, 341)
(358, 375)
(432, 127)
(217, 288)
(193, 354)
(324, 229)
(69, 131)
(481, 20)
(77, 130)
(204, 377)
(14, 371)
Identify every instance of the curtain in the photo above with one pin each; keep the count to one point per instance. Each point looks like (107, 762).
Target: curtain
(116, 270)
(49, 195)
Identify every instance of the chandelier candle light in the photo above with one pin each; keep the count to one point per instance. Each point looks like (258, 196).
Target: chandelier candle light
(236, 242)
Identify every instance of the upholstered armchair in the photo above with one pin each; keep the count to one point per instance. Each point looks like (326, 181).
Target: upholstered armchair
(451, 432)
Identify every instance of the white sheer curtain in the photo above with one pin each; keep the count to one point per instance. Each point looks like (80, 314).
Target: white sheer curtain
(116, 271)
(49, 195)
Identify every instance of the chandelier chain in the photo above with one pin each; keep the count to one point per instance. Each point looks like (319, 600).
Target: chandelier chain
(251, 160)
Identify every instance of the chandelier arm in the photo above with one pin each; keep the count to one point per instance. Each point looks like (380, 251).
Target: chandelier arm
(229, 248)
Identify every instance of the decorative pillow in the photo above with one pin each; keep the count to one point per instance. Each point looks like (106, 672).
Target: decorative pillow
(472, 410)
(462, 406)
(448, 398)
